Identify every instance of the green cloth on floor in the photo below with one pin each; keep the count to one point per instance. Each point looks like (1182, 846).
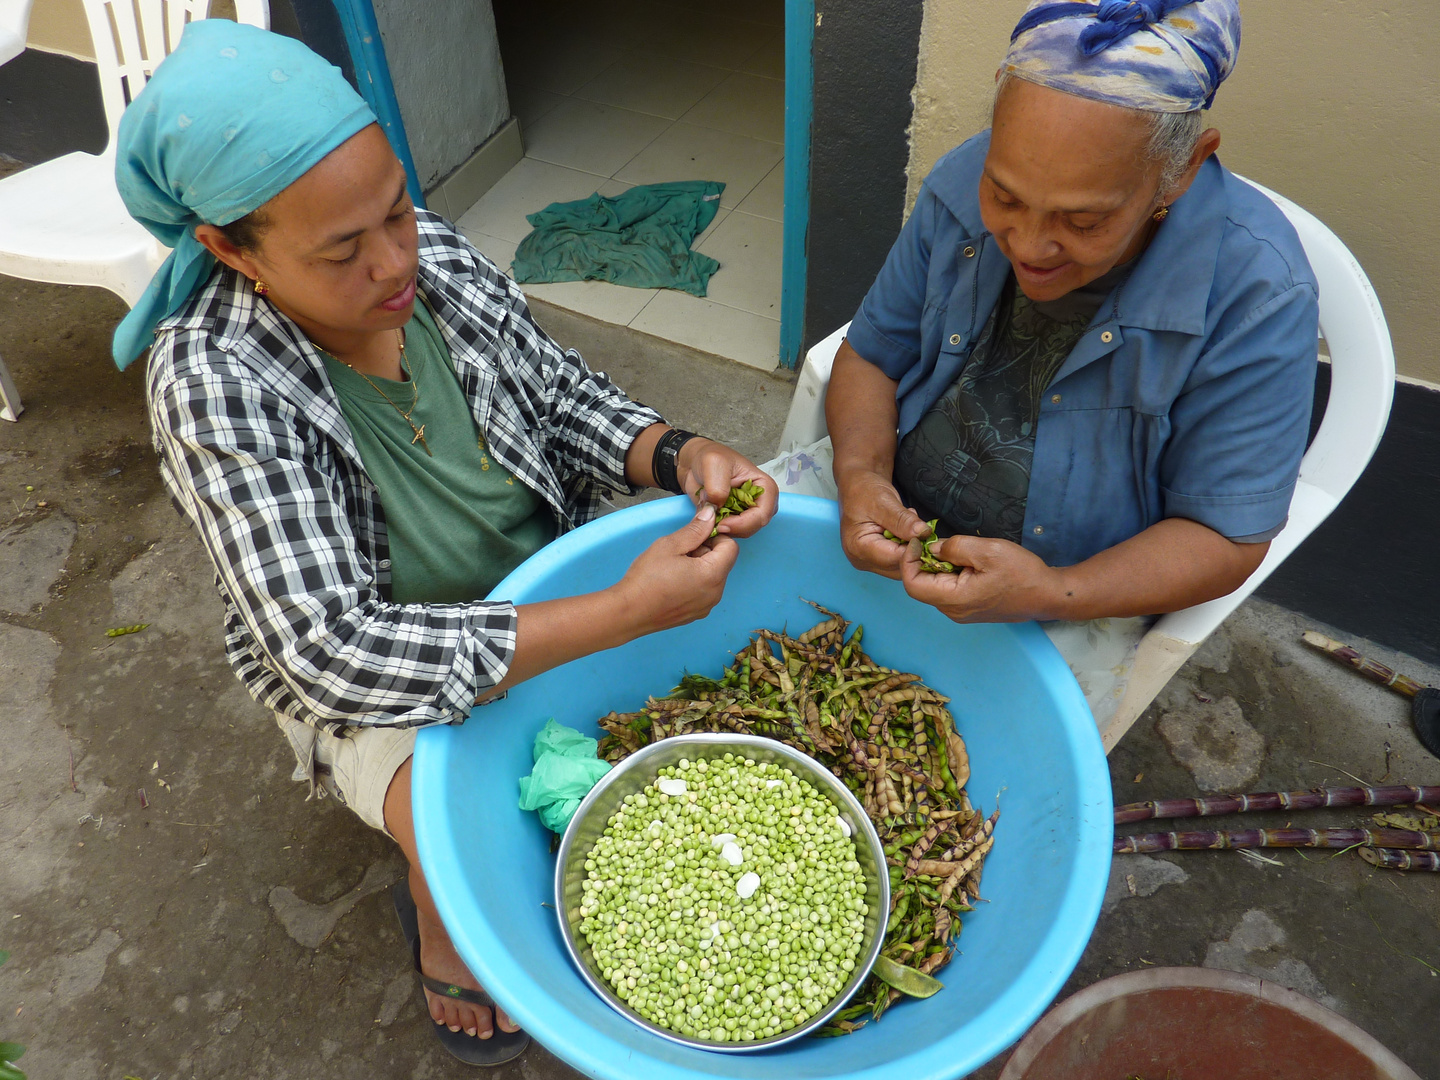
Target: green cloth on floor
(640, 238)
(566, 768)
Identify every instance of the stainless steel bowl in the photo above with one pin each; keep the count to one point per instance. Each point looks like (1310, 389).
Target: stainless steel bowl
(640, 769)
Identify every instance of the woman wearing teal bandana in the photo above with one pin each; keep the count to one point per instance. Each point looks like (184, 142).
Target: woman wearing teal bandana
(368, 431)
(1091, 351)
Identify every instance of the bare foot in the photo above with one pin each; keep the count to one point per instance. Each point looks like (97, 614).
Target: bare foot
(440, 961)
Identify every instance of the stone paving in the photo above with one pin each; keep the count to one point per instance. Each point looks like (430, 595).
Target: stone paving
(229, 929)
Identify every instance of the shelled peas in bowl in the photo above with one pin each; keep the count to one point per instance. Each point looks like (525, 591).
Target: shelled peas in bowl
(724, 902)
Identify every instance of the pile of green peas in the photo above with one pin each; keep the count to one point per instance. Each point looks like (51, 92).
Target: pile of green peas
(688, 938)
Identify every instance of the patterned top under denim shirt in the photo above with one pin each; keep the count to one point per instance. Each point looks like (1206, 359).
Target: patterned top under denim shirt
(967, 462)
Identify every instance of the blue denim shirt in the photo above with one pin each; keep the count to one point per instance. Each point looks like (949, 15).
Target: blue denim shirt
(1189, 394)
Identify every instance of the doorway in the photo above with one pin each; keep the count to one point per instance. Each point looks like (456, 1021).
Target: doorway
(626, 92)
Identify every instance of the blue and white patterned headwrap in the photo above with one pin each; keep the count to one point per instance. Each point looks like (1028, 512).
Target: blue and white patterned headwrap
(1166, 56)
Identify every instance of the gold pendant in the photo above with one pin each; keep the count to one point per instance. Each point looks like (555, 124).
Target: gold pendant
(420, 438)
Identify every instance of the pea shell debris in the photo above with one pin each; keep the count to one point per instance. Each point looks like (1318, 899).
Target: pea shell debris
(732, 910)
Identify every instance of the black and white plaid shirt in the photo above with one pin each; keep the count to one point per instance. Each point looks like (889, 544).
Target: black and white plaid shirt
(258, 457)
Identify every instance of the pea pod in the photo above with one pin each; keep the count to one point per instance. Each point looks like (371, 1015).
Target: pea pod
(906, 979)
(897, 916)
(121, 631)
(742, 498)
(930, 562)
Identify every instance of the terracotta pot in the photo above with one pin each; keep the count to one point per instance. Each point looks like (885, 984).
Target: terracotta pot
(1197, 1024)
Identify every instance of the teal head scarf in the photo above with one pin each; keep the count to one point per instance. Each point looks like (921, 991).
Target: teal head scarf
(230, 119)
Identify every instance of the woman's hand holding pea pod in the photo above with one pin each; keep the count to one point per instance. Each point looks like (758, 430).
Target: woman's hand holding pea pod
(871, 518)
(710, 471)
(678, 578)
(930, 562)
(745, 496)
(990, 581)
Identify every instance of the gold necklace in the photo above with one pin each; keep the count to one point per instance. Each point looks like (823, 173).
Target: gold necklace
(415, 387)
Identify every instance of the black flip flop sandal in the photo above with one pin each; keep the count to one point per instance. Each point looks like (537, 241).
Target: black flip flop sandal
(502, 1046)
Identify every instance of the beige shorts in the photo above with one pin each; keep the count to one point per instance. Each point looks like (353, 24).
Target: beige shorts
(357, 769)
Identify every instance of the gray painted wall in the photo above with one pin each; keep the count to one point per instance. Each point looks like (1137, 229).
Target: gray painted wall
(445, 63)
(864, 53)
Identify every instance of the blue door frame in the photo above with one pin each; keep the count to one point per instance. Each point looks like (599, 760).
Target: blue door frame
(372, 76)
(799, 104)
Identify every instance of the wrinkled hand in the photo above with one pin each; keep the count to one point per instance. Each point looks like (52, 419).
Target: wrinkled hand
(713, 466)
(869, 504)
(995, 581)
(679, 577)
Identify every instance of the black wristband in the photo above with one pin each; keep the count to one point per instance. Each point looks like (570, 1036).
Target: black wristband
(663, 463)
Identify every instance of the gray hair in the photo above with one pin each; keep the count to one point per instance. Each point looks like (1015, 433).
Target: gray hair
(1172, 138)
(1172, 143)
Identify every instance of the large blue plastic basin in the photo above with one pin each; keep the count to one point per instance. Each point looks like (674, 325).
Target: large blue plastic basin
(1032, 742)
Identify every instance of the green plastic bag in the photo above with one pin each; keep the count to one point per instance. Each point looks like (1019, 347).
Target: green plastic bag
(566, 768)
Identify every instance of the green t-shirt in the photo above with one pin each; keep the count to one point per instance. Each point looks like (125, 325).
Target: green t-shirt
(458, 522)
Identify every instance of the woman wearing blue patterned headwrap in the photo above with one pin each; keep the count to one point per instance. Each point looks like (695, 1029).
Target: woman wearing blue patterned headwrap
(356, 412)
(1091, 351)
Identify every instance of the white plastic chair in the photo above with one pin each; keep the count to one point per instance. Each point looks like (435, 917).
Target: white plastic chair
(1362, 383)
(14, 27)
(63, 221)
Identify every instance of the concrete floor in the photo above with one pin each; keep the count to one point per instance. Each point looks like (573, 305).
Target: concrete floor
(231, 930)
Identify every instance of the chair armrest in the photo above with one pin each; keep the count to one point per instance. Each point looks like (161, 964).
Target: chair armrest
(1309, 506)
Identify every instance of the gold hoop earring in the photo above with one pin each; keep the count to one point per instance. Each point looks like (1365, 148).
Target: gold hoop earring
(1162, 213)
(261, 289)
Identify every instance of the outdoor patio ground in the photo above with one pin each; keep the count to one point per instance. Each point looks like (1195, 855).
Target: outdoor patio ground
(231, 930)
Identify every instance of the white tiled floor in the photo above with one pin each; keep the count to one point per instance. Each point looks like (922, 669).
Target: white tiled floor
(648, 91)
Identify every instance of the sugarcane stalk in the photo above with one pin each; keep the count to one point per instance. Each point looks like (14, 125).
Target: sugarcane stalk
(1214, 805)
(1371, 669)
(1392, 859)
(1258, 838)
